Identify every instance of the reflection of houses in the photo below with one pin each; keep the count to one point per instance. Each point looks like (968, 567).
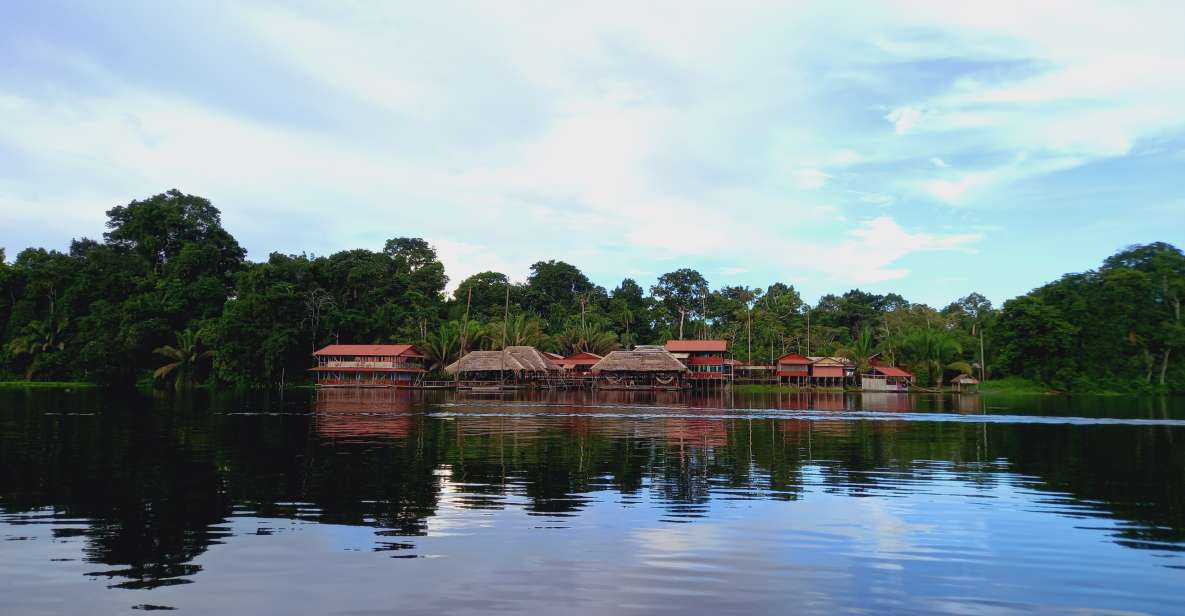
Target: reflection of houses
(643, 368)
(696, 432)
(578, 363)
(368, 365)
(516, 364)
(883, 401)
(705, 360)
(362, 412)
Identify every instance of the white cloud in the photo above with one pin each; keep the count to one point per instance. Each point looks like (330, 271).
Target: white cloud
(903, 119)
(508, 133)
(811, 179)
(869, 252)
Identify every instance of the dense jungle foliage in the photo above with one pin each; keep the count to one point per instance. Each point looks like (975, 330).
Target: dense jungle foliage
(168, 294)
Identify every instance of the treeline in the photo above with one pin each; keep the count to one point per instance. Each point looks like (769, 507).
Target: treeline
(169, 294)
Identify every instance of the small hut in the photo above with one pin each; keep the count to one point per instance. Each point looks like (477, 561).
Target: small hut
(965, 383)
(642, 368)
(519, 364)
(886, 378)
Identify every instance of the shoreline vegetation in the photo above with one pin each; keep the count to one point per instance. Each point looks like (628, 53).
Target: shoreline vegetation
(62, 385)
(168, 296)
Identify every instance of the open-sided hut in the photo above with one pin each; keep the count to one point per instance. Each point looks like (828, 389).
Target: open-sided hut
(965, 383)
(642, 368)
(518, 364)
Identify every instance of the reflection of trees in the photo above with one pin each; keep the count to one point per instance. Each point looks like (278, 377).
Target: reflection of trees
(147, 482)
(156, 483)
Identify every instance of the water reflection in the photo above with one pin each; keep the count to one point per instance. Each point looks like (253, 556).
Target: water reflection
(147, 487)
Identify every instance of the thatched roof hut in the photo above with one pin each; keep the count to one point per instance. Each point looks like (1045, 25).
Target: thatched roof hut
(514, 359)
(641, 360)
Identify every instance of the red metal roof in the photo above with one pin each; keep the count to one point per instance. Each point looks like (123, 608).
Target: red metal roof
(552, 356)
(370, 350)
(582, 355)
(692, 346)
(794, 358)
(891, 371)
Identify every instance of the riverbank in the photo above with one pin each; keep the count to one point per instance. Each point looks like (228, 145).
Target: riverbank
(46, 385)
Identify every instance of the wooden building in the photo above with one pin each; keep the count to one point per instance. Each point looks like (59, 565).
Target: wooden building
(642, 368)
(368, 365)
(886, 378)
(514, 364)
(831, 371)
(965, 383)
(794, 369)
(578, 363)
(705, 360)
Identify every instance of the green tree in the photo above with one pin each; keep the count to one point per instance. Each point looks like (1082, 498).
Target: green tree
(40, 341)
(1036, 341)
(682, 292)
(185, 358)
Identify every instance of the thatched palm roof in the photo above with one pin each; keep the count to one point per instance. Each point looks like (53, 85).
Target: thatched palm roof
(512, 359)
(645, 360)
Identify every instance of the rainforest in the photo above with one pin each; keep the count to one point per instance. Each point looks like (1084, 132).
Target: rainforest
(168, 298)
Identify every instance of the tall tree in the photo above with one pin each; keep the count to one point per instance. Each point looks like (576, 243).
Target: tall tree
(681, 292)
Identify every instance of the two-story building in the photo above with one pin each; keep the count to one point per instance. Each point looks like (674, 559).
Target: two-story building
(794, 369)
(704, 359)
(368, 365)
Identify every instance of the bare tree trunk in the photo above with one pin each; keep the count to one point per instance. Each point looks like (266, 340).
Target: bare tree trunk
(682, 312)
(1164, 364)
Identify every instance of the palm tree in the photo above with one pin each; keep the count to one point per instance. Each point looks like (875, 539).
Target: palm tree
(586, 339)
(860, 351)
(521, 330)
(441, 347)
(41, 338)
(185, 358)
(930, 350)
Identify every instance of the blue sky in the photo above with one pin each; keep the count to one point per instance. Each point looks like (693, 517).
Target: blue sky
(932, 149)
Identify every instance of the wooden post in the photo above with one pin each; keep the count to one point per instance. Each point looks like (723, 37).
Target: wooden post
(464, 333)
(505, 324)
(982, 359)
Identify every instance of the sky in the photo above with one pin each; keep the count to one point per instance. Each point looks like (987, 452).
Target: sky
(926, 148)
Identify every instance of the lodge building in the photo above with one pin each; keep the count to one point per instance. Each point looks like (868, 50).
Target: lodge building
(368, 365)
(706, 360)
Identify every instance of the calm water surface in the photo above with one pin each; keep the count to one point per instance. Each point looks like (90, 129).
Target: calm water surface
(378, 502)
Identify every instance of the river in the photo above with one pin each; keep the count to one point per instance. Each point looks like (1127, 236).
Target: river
(383, 501)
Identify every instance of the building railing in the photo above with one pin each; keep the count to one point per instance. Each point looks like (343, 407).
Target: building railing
(370, 364)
